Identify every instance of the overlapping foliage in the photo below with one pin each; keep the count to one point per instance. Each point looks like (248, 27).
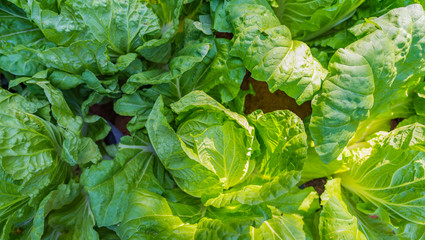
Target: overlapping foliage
(194, 165)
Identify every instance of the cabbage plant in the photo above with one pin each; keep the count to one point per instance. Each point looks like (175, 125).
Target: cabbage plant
(125, 119)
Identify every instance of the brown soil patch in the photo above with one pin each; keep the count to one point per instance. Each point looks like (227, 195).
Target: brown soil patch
(269, 102)
(318, 185)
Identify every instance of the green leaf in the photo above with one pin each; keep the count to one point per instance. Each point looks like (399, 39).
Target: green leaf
(225, 73)
(223, 141)
(35, 162)
(391, 171)
(150, 215)
(336, 221)
(134, 105)
(64, 195)
(218, 13)
(168, 12)
(97, 127)
(76, 148)
(189, 174)
(347, 94)
(283, 226)
(268, 52)
(283, 142)
(109, 183)
(315, 168)
(108, 86)
(16, 28)
(17, 36)
(149, 77)
(219, 148)
(73, 221)
(11, 201)
(64, 80)
(307, 20)
(80, 56)
(412, 231)
(232, 222)
(61, 28)
(397, 47)
(182, 62)
(125, 25)
(396, 101)
(278, 169)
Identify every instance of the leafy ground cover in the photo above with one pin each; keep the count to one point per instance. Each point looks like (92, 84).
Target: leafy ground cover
(220, 119)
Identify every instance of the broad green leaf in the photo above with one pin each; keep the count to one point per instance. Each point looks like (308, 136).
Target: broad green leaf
(17, 36)
(218, 13)
(396, 101)
(64, 80)
(21, 217)
(180, 161)
(283, 147)
(225, 73)
(16, 28)
(309, 19)
(219, 148)
(56, 199)
(347, 94)
(109, 183)
(412, 231)
(344, 101)
(231, 223)
(315, 168)
(374, 225)
(150, 215)
(270, 54)
(168, 12)
(203, 64)
(135, 105)
(107, 86)
(149, 77)
(73, 221)
(199, 99)
(345, 110)
(183, 61)
(283, 142)
(289, 213)
(303, 202)
(125, 25)
(391, 175)
(223, 145)
(198, 67)
(61, 28)
(79, 57)
(11, 202)
(283, 226)
(376, 8)
(217, 72)
(336, 221)
(347, 217)
(124, 61)
(30, 147)
(76, 149)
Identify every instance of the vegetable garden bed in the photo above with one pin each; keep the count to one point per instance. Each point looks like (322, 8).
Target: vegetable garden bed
(219, 119)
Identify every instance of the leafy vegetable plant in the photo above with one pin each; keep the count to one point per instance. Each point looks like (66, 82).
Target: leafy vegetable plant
(193, 164)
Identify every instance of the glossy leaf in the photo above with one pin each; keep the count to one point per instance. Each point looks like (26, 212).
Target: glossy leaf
(268, 52)
(109, 183)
